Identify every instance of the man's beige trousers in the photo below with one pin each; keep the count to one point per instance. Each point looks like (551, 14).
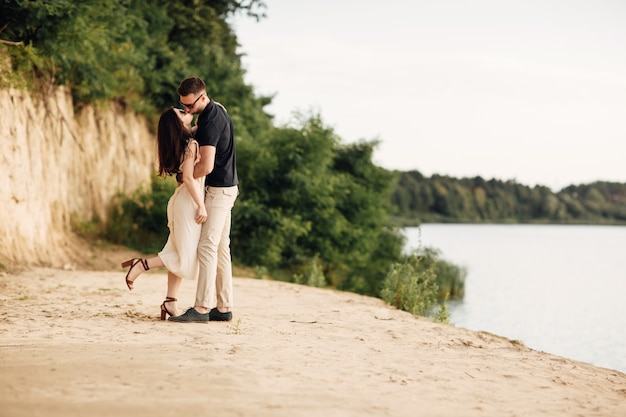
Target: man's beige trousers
(215, 278)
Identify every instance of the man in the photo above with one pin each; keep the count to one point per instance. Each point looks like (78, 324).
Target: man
(214, 295)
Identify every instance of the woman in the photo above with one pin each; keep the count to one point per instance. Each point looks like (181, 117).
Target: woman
(178, 153)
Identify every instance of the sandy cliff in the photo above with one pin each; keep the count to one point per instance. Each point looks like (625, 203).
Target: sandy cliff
(61, 165)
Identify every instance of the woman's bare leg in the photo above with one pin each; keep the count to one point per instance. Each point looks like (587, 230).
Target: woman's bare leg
(173, 284)
(153, 263)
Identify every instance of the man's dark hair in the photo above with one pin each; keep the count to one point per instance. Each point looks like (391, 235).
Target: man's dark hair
(192, 85)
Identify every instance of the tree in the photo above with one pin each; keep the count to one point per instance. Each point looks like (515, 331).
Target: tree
(134, 52)
(305, 196)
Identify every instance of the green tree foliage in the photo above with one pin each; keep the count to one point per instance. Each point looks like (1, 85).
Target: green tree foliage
(305, 196)
(417, 199)
(135, 51)
(90, 46)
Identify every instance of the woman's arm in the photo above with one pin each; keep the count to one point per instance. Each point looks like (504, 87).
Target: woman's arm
(191, 184)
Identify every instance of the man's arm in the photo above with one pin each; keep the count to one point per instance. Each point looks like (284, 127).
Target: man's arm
(207, 161)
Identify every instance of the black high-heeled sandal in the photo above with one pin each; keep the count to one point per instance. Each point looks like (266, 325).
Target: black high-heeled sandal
(164, 309)
(132, 263)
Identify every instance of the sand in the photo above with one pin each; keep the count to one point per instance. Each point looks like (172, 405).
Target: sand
(78, 343)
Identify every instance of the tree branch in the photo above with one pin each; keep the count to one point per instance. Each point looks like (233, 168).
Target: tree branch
(10, 42)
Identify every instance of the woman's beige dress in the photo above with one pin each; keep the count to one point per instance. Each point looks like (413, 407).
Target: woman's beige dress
(180, 253)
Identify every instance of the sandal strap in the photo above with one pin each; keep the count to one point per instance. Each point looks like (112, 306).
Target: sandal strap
(144, 262)
(167, 300)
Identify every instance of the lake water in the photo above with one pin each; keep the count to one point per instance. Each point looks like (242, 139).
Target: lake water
(558, 289)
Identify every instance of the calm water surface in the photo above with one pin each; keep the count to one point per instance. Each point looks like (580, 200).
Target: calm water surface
(558, 289)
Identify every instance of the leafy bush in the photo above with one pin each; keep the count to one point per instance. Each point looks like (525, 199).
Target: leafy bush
(450, 278)
(412, 286)
(313, 275)
(139, 221)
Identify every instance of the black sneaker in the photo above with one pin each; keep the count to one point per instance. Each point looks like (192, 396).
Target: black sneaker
(192, 316)
(216, 315)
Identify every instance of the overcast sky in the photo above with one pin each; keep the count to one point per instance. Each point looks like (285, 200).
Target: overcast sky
(530, 90)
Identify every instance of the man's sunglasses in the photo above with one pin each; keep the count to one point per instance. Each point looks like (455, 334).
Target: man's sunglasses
(189, 106)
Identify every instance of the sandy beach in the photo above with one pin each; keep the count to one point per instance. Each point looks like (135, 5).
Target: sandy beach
(78, 343)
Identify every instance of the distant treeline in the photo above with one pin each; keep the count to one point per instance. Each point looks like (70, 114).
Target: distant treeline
(420, 199)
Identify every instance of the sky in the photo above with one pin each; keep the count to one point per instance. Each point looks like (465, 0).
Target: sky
(532, 90)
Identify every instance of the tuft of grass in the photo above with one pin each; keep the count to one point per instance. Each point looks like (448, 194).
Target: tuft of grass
(517, 342)
(236, 328)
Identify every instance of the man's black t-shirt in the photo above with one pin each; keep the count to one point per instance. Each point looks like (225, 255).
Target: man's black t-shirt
(216, 129)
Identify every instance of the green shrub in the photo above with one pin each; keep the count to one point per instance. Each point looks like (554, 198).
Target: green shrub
(139, 221)
(412, 286)
(260, 272)
(313, 275)
(91, 229)
(450, 278)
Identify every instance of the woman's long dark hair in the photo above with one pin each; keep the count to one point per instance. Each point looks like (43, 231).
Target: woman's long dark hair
(172, 139)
